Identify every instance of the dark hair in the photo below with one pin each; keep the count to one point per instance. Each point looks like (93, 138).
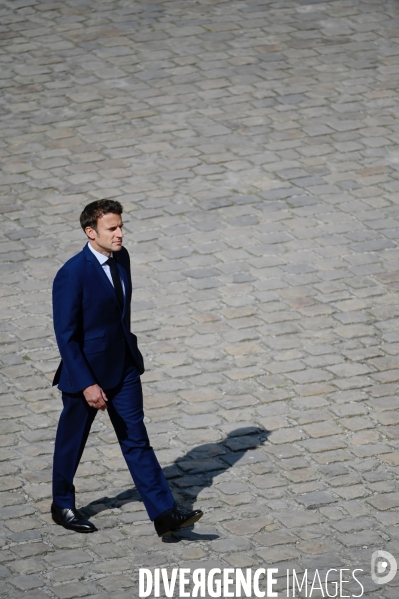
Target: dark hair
(95, 210)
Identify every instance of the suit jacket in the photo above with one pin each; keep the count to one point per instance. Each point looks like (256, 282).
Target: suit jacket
(92, 330)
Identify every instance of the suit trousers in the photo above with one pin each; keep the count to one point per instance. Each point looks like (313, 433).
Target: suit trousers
(125, 409)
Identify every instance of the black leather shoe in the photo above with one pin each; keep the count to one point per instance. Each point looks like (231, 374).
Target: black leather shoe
(71, 519)
(175, 518)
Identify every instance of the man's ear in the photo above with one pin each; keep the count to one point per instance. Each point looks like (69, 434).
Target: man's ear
(90, 232)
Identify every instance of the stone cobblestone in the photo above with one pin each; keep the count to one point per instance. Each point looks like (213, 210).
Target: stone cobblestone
(254, 147)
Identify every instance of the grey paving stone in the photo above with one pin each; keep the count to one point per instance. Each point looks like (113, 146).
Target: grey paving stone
(4, 572)
(74, 589)
(384, 502)
(316, 499)
(26, 582)
(63, 558)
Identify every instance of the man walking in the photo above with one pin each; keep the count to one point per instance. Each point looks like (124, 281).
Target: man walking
(100, 369)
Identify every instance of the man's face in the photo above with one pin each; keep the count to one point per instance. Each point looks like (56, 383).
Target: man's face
(109, 234)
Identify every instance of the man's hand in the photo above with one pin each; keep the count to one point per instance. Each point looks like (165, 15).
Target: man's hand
(96, 397)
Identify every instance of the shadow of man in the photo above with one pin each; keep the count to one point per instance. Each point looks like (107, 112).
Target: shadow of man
(196, 471)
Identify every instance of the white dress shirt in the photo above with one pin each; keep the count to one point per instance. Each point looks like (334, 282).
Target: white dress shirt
(102, 260)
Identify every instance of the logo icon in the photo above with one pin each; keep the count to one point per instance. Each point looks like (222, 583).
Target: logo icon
(383, 567)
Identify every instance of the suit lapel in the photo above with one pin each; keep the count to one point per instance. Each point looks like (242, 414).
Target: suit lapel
(125, 281)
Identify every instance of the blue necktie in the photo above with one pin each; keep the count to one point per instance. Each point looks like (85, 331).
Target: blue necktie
(116, 279)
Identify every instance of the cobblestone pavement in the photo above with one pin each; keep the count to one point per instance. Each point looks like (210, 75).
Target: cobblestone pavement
(254, 145)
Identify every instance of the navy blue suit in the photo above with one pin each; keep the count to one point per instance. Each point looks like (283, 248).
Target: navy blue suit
(96, 346)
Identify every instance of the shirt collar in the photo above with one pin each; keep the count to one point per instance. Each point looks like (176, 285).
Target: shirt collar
(100, 257)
